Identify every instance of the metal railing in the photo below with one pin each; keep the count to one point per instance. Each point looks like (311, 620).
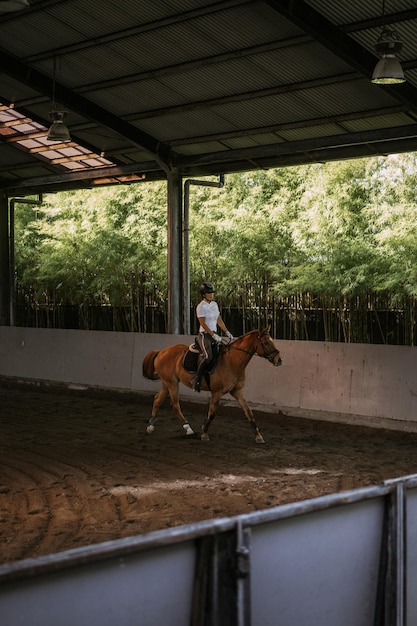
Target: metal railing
(348, 559)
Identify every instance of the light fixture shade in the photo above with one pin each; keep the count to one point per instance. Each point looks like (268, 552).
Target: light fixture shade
(58, 130)
(8, 6)
(388, 71)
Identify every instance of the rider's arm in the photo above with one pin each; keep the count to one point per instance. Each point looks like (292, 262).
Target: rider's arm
(203, 324)
(221, 324)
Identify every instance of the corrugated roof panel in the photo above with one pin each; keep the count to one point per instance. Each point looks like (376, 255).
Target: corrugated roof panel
(32, 36)
(380, 121)
(12, 90)
(227, 117)
(411, 75)
(249, 141)
(103, 138)
(215, 81)
(311, 132)
(202, 148)
(277, 109)
(347, 12)
(338, 98)
(132, 154)
(179, 125)
(94, 18)
(37, 31)
(182, 41)
(407, 33)
(244, 26)
(136, 97)
(262, 71)
(356, 10)
(300, 63)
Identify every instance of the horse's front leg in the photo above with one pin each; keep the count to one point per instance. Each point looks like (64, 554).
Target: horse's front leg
(239, 395)
(214, 403)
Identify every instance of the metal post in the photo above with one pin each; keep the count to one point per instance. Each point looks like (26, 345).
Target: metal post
(174, 253)
(222, 579)
(5, 288)
(186, 247)
(390, 602)
(13, 202)
(399, 549)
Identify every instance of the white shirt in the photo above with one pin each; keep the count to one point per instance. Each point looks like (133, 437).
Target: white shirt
(210, 311)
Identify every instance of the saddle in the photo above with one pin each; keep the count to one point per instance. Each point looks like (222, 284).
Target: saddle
(193, 356)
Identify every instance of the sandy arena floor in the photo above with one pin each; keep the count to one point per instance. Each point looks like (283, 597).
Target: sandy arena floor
(78, 468)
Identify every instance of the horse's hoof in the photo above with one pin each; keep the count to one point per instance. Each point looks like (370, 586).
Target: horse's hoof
(205, 437)
(259, 439)
(188, 429)
(150, 428)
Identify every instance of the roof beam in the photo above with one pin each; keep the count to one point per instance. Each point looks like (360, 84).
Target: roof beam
(306, 145)
(75, 102)
(276, 128)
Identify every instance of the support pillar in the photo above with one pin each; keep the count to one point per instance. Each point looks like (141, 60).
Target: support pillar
(5, 269)
(175, 278)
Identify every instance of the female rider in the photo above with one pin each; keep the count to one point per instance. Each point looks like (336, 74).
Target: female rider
(208, 315)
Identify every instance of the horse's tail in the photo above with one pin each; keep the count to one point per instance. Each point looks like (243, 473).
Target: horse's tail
(148, 368)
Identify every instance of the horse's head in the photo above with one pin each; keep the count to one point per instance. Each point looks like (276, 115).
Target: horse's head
(266, 347)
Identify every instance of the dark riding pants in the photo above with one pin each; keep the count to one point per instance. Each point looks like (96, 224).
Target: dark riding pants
(207, 345)
(206, 342)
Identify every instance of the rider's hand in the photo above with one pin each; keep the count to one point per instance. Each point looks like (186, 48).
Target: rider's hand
(229, 335)
(216, 338)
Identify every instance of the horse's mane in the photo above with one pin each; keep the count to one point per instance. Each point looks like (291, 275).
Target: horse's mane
(238, 340)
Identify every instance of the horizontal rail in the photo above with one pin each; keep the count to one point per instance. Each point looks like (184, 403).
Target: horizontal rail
(225, 566)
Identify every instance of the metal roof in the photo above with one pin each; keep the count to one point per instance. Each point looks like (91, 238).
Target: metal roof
(199, 86)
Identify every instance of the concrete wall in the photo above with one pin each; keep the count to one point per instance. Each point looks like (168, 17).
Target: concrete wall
(353, 383)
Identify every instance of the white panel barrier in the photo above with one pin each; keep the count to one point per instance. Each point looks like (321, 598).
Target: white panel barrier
(138, 588)
(323, 553)
(363, 384)
(346, 559)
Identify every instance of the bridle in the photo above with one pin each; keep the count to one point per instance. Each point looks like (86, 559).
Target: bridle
(269, 352)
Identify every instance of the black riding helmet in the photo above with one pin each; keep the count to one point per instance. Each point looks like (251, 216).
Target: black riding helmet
(206, 288)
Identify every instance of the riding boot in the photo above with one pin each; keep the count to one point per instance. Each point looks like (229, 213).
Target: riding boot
(195, 383)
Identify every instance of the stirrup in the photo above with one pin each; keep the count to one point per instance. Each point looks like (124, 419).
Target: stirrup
(195, 384)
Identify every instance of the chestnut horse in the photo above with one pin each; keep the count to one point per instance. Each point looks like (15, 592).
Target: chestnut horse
(228, 376)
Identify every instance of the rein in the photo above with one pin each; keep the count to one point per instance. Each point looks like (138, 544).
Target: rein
(231, 345)
(265, 355)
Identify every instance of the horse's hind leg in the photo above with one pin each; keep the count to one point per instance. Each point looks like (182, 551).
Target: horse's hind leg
(239, 395)
(158, 400)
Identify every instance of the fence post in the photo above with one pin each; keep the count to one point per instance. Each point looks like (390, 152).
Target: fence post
(222, 583)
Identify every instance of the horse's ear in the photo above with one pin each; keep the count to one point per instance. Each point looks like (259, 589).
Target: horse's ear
(264, 331)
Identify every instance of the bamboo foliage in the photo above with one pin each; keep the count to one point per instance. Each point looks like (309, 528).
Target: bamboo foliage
(322, 252)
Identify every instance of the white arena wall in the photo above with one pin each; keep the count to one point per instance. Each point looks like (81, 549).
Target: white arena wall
(370, 385)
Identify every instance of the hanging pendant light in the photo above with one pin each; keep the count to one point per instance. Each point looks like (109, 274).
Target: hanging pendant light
(388, 70)
(8, 6)
(58, 130)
